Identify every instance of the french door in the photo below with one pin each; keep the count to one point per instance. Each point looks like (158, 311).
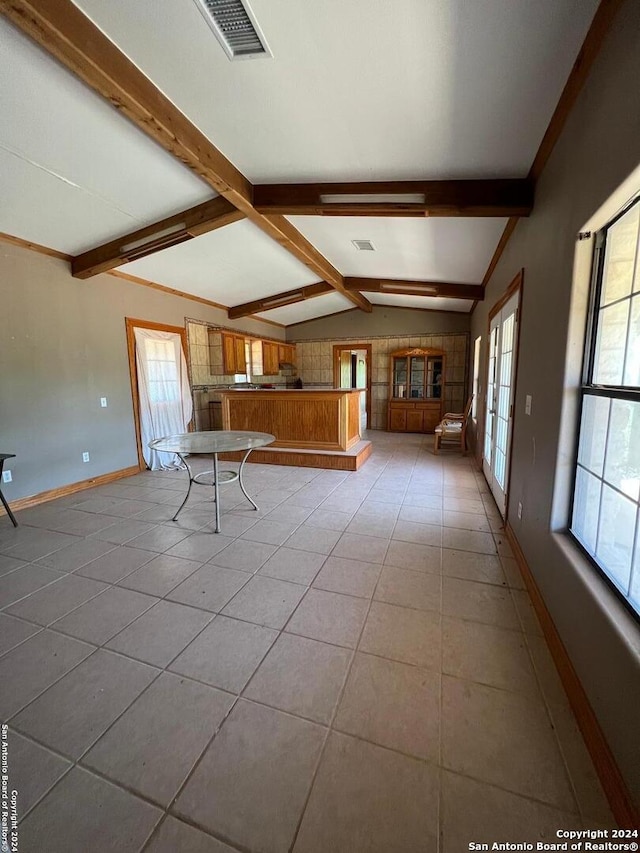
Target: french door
(503, 342)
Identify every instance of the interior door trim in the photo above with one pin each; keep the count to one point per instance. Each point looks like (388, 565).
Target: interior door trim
(337, 349)
(515, 285)
(130, 325)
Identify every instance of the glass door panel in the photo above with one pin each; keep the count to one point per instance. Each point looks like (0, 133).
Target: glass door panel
(434, 377)
(500, 378)
(491, 379)
(399, 377)
(416, 372)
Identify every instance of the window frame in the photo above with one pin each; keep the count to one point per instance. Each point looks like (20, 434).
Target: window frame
(589, 388)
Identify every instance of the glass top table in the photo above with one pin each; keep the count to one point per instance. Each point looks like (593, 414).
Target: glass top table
(213, 442)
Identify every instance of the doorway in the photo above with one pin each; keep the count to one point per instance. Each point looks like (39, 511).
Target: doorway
(160, 386)
(500, 385)
(352, 369)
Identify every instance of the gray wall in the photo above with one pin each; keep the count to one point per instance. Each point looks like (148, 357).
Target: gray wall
(598, 149)
(62, 347)
(383, 320)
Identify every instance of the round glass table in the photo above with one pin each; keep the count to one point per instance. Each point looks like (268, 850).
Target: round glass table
(212, 443)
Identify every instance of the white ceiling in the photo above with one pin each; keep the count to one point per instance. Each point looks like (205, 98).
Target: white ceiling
(73, 172)
(320, 306)
(439, 249)
(363, 91)
(355, 91)
(235, 264)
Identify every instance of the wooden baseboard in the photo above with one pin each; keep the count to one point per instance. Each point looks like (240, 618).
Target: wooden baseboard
(71, 488)
(611, 779)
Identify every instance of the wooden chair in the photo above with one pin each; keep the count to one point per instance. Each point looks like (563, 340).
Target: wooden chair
(452, 429)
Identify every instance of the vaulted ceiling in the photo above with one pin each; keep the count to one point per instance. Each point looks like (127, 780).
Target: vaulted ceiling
(356, 92)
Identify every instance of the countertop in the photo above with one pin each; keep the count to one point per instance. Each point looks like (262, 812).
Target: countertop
(292, 390)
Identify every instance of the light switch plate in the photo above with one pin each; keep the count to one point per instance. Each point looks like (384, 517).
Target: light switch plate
(103, 402)
(6, 477)
(85, 456)
(527, 405)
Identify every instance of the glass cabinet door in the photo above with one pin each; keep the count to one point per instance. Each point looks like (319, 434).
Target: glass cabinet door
(399, 377)
(416, 375)
(416, 370)
(434, 377)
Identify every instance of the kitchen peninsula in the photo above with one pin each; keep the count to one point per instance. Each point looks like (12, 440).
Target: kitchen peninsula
(318, 428)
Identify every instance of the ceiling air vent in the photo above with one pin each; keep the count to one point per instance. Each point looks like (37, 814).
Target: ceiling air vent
(235, 27)
(364, 245)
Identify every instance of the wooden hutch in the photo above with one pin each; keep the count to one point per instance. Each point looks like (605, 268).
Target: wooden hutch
(416, 390)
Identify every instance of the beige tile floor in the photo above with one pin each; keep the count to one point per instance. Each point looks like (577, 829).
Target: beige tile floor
(355, 667)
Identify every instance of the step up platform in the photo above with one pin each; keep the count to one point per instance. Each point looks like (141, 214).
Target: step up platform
(336, 460)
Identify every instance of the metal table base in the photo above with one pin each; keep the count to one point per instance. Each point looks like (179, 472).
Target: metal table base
(211, 443)
(218, 477)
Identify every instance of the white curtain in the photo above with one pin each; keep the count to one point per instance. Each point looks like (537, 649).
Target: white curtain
(166, 406)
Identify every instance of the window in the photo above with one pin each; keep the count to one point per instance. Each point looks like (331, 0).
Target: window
(163, 381)
(476, 377)
(606, 499)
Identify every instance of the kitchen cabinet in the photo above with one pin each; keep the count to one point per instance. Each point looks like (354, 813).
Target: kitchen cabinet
(270, 359)
(286, 354)
(416, 390)
(233, 354)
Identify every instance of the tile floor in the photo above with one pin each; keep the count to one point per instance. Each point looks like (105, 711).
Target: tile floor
(355, 667)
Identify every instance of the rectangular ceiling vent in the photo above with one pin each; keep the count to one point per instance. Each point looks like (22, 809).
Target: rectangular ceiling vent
(363, 245)
(235, 27)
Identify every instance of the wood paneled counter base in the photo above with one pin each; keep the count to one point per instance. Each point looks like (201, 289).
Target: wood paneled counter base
(306, 420)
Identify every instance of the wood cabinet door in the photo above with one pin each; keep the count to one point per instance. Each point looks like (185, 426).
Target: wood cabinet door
(414, 421)
(287, 353)
(269, 358)
(431, 420)
(241, 361)
(275, 361)
(398, 420)
(228, 354)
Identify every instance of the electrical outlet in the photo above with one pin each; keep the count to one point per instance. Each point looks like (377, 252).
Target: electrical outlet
(527, 405)
(103, 402)
(519, 509)
(85, 456)
(6, 477)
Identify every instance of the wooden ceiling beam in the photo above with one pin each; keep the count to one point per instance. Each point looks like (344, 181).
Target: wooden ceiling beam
(198, 220)
(279, 300)
(66, 33)
(285, 231)
(398, 286)
(500, 197)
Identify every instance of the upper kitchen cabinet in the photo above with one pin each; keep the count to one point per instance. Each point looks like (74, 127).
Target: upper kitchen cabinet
(233, 354)
(270, 359)
(227, 353)
(286, 354)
